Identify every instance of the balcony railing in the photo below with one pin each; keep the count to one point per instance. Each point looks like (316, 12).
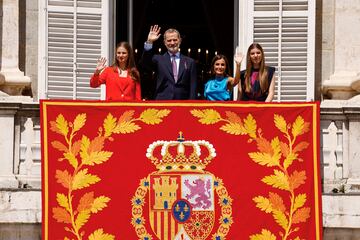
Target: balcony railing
(20, 156)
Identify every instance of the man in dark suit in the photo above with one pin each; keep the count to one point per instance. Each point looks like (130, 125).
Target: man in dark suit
(175, 73)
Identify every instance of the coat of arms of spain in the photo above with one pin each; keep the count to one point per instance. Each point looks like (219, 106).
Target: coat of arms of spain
(184, 201)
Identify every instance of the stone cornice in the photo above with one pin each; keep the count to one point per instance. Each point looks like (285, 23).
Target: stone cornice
(340, 109)
(19, 108)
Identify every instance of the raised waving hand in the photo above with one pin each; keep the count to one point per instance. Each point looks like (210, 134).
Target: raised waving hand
(154, 34)
(100, 64)
(238, 56)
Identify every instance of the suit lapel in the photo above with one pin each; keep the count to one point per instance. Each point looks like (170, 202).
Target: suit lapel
(168, 63)
(182, 66)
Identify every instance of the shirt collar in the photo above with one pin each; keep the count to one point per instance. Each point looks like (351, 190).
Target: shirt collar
(176, 54)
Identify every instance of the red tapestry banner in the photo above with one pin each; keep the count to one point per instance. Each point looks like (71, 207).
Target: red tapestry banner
(180, 170)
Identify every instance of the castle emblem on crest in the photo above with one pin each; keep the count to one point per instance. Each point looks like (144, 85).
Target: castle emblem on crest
(184, 201)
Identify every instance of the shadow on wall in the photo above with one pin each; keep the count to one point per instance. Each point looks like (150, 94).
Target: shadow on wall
(19, 231)
(22, 45)
(22, 35)
(341, 234)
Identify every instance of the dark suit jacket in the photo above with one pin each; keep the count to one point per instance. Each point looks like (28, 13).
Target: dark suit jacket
(166, 87)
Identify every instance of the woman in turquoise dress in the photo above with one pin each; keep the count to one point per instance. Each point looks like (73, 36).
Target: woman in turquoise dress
(219, 87)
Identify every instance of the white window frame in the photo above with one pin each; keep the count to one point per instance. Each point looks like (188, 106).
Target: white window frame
(106, 23)
(245, 38)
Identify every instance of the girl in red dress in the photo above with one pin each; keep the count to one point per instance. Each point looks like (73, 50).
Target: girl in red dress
(122, 79)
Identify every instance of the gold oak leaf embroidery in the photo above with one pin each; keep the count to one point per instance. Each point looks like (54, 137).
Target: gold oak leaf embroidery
(301, 215)
(82, 179)
(64, 178)
(281, 219)
(277, 202)
(207, 116)
(265, 235)
(299, 201)
(60, 125)
(299, 127)
(278, 153)
(100, 235)
(82, 153)
(86, 202)
(79, 122)
(263, 203)
(62, 201)
(59, 146)
(153, 116)
(277, 180)
(61, 215)
(99, 203)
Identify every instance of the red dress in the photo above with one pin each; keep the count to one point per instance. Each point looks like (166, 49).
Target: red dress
(117, 87)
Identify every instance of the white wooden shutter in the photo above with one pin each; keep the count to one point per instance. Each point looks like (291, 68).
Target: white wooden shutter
(76, 36)
(286, 30)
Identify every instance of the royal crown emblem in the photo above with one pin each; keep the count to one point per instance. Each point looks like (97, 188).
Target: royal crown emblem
(174, 157)
(183, 199)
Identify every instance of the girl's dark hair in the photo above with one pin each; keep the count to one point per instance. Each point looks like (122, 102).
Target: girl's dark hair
(130, 64)
(227, 69)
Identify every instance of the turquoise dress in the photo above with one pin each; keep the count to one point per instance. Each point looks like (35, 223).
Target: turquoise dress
(217, 90)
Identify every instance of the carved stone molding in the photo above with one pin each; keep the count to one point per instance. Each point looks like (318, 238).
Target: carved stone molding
(12, 80)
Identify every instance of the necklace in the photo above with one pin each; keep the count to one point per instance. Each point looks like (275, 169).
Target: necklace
(122, 73)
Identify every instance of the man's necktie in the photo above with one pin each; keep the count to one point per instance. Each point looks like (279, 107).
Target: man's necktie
(174, 67)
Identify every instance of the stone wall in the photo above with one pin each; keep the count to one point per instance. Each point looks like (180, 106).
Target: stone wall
(20, 206)
(20, 160)
(340, 141)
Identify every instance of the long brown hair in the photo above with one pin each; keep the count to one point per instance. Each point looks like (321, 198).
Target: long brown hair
(263, 72)
(218, 57)
(130, 63)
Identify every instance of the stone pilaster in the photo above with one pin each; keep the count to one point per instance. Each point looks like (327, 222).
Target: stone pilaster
(12, 80)
(7, 123)
(352, 111)
(340, 137)
(344, 83)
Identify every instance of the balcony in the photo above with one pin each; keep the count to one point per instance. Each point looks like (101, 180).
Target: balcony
(20, 174)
